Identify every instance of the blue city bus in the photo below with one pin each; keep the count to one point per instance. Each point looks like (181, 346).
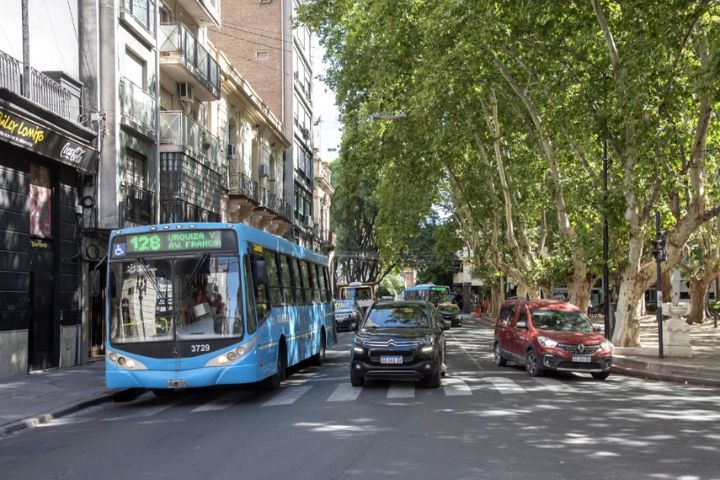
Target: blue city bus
(194, 305)
(435, 294)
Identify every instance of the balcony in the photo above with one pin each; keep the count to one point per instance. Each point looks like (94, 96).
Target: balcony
(205, 12)
(137, 108)
(139, 204)
(178, 132)
(184, 59)
(255, 201)
(142, 12)
(44, 91)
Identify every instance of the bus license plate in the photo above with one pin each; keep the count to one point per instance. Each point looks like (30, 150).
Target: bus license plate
(385, 359)
(176, 383)
(581, 358)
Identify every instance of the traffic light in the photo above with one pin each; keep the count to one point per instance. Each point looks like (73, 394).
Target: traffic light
(659, 247)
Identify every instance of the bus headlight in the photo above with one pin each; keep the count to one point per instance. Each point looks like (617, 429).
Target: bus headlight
(233, 355)
(125, 362)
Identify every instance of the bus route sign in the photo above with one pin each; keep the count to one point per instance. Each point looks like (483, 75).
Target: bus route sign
(172, 242)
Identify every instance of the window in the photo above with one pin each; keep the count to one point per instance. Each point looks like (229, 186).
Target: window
(249, 300)
(135, 69)
(323, 285)
(307, 286)
(135, 172)
(261, 298)
(286, 275)
(507, 314)
(312, 268)
(299, 297)
(274, 288)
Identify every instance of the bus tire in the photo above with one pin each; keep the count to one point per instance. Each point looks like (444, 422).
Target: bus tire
(273, 381)
(318, 359)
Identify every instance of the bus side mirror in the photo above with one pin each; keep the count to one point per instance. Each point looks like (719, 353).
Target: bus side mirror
(261, 274)
(95, 283)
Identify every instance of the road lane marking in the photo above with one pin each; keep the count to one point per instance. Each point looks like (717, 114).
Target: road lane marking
(455, 387)
(555, 385)
(345, 393)
(505, 385)
(223, 402)
(401, 390)
(287, 396)
(152, 410)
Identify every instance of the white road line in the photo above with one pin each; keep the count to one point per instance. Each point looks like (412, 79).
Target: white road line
(467, 353)
(555, 385)
(150, 411)
(287, 396)
(344, 393)
(455, 387)
(401, 390)
(505, 385)
(224, 401)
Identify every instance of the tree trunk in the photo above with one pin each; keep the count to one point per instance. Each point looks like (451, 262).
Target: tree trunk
(698, 289)
(496, 299)
(579, 291)
(667, 295)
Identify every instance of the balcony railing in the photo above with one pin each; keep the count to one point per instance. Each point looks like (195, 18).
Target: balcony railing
(241, 184)
(176, 38)
(44, 91)
(176, 128)
(139, 204)
(142, 10)
(137, 105)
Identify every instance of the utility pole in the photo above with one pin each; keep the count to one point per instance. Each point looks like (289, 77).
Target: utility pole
(606, 270)
(660, 254)
(26, 50)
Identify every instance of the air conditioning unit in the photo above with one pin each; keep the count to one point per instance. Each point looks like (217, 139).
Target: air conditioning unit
(308, 223)
(231, 151)
(185, 91)
(296, 75)
(305, 133)
(264, 170)
(271, 176)
(311, 184)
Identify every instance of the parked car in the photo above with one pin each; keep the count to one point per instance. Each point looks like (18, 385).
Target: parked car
(450, 313)
(401, 340)
(550, 335)
(347, 314)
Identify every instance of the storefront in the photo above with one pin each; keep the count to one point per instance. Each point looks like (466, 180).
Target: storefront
(43, 160)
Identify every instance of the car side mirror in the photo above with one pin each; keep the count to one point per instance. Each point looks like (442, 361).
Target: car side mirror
(521, 324)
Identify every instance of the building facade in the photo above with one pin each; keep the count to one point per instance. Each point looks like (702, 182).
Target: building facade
(48, 152)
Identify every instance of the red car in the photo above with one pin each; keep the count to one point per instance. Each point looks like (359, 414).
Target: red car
(550, 335)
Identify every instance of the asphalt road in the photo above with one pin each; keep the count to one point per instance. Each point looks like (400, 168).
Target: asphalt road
(484, 422)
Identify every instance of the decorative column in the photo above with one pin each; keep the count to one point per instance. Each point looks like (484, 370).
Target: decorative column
(676, 332)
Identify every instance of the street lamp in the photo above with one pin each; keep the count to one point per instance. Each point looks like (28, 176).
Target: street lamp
(401, 116)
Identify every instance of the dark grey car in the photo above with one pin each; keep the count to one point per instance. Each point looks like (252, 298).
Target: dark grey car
(347, 314)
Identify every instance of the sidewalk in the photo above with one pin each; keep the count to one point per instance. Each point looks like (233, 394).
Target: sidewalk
(39, 398)
(703, 368)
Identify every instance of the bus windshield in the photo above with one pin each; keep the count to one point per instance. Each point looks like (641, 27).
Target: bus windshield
(157, 300)
(356, 293)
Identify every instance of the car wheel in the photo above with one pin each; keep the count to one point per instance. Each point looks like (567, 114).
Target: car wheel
(499, 360)
(600, 375)
(163, 392)
(317, 359)
(356, 380)
(273, 381)
(532, 364)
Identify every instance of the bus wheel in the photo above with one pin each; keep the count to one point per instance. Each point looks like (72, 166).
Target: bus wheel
(318, 359)
(273, 381)
(163, 392)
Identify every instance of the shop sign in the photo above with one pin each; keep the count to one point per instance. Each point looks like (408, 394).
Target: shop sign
(46, 142)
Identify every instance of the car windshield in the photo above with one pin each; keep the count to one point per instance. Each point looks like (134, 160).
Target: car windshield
(397, 316)
(448, 308)
(344, 304)
(566, 320)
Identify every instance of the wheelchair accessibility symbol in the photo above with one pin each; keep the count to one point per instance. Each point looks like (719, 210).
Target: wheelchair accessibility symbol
(119, 250)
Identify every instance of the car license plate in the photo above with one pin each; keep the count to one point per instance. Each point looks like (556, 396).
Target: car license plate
(385, 359)
(176, 383)
(581, 358)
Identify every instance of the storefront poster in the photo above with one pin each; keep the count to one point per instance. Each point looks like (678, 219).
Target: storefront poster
(40, 201)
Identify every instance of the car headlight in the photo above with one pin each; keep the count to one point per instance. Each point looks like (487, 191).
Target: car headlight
(547, 342)
(426, 348)
(358, 349)
(606, 345)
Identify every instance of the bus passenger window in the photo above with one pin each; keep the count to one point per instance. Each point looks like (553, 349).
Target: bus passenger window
(274, 289)
(286, 276)
(262, 300)
(297, 278)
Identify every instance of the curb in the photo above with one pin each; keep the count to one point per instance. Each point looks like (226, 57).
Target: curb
(667, 372)
(16, 426)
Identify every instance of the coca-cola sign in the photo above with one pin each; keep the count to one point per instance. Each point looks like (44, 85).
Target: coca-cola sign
(72, 154)
(43, 139)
